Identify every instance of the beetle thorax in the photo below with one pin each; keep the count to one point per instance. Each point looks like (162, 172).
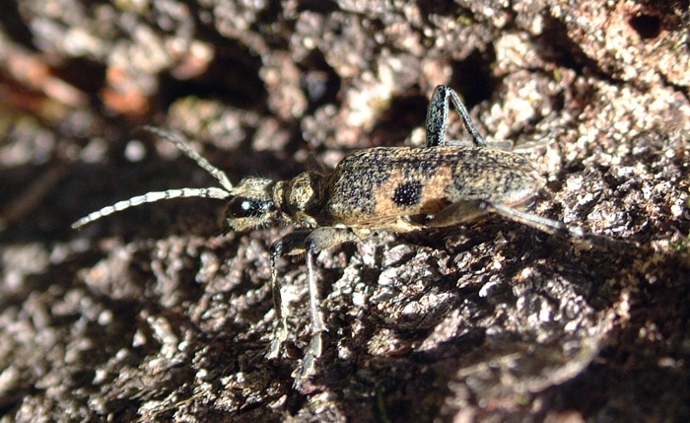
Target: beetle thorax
(303, 198)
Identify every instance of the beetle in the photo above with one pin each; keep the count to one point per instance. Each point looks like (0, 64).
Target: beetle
(396, 189)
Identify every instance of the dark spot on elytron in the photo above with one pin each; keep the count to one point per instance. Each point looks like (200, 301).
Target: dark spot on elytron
(408, 193)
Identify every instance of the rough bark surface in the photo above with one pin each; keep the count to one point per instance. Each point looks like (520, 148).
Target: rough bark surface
(150, 315)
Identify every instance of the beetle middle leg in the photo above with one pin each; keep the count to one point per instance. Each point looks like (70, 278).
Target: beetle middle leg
(311, 243)
(437, 117)
(437, 122)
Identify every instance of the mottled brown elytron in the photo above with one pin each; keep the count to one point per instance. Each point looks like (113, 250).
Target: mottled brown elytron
(413, 184)
(398, 189)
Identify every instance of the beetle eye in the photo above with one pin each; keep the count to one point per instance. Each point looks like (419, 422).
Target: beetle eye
(241, 207)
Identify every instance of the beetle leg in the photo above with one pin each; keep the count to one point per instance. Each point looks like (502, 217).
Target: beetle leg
(437, 117)
(465, 211)
(320, 239)
(459, 212)
(312, 243)
(554, 227)
(290, 244)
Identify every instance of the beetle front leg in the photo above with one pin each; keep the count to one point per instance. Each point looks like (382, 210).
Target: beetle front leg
(310, 243)
(290, 244)
(320, 239)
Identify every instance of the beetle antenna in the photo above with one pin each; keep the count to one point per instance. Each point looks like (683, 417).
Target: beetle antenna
(184, 147)
(151, 197)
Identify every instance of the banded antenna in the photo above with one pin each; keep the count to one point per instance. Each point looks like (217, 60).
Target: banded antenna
(153, 196)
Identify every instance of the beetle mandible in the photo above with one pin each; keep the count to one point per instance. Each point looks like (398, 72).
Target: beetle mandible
(397, 189)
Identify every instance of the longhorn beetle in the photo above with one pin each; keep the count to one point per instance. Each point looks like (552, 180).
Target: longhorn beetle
(398, 189)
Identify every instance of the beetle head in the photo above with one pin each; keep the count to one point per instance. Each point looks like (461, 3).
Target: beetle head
(252, 205)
